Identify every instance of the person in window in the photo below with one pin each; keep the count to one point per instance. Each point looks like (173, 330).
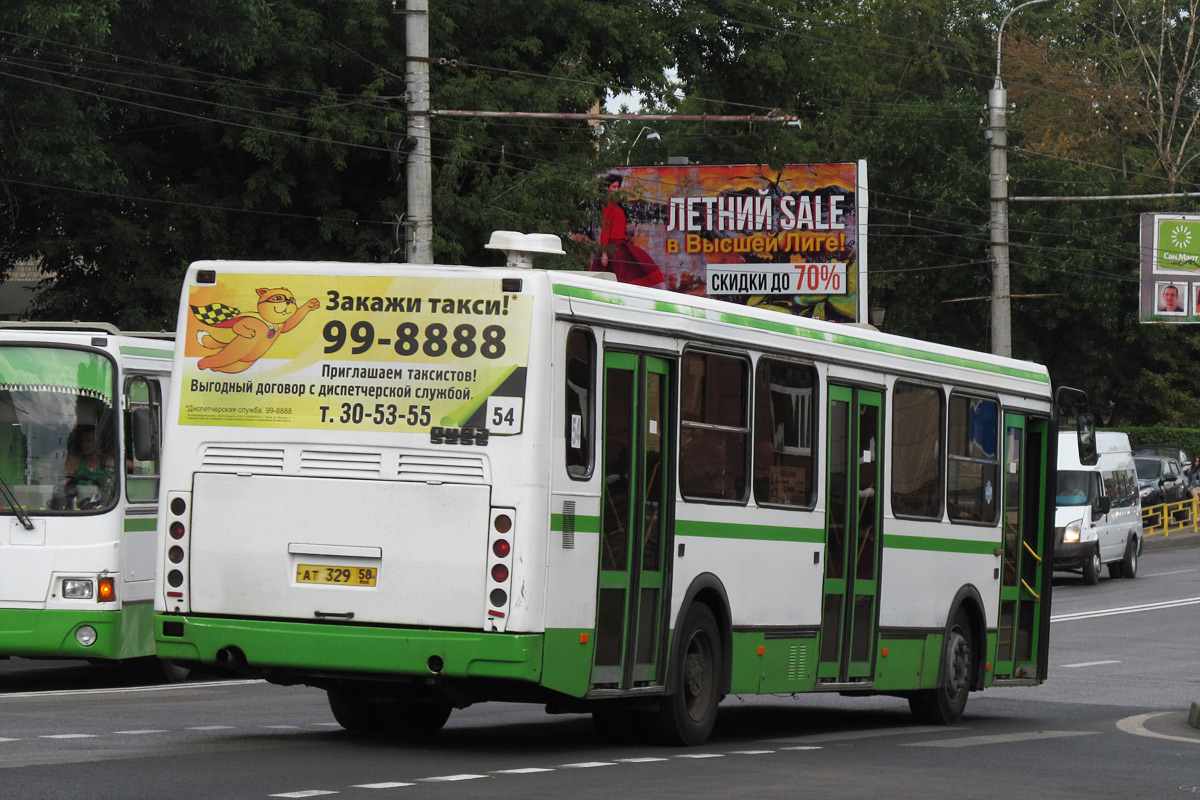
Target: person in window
(1070, 493)
(618, 255)
(1194, 477)
(86, 465)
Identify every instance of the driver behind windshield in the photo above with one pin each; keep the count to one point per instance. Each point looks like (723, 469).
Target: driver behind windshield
(1070, 493)
(86, 465)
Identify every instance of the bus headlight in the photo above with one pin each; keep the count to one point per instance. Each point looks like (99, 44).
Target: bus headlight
(1071, 532)
(77, 589)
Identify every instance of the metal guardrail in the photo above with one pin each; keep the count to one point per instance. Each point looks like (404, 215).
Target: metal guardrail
(1168, 518)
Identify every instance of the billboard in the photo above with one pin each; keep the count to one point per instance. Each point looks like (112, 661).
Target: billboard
(786, 239)
(336, 352)
(1170, 268)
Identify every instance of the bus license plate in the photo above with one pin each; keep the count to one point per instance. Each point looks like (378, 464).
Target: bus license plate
(338, 576)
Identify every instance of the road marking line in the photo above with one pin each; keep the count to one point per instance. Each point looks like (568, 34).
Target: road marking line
(129, 689)
(2, 739)
(386, 785)
(642, 760)
(453, 778)
(701, 755)
(751, 752)
(283, 727)
(1088, 664)
(69, 736)
(867, 734)
(212, 728)
(1135, 725)
(138, 733)
(305, 793)
(588, 764)
(801, 747)
(1002, 738)
(1108, 612)
(1160, 574)
(522, 771)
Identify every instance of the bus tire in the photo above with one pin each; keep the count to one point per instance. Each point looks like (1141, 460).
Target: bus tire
(945, 704)
(356, 712)
(686, 717)
(1129, 563)
(1091, 568)
(416, 719)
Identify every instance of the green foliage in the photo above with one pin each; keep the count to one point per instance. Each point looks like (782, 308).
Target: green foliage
(139, 135)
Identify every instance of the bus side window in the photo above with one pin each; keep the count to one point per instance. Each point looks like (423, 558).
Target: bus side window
(714, 426)
(917, 446)
(143, 438)
(973, 490)
(580, 401)
(785, 424)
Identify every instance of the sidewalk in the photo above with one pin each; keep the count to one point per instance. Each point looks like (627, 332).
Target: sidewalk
(1169, 541)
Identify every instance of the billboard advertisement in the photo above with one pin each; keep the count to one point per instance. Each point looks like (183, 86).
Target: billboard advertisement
(1170, 268)
(786, 239)
(440, 356)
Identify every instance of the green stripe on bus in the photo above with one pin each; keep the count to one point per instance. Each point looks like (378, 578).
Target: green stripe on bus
(795, 330)
(141, 524)
(583, 523)
(147, 352)
(938, 545)
(729, 530)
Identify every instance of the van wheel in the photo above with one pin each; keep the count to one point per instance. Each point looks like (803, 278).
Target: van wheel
(945, 704)
(1129, 563)
(1091, 569)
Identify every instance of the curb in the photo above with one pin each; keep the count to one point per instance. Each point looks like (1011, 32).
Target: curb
(1160, 541)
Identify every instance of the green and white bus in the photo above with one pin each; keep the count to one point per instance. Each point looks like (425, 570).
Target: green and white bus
(80, 424)
(421, 487)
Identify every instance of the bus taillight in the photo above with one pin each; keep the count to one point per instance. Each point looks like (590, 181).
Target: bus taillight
(175, 575)
(499, 569)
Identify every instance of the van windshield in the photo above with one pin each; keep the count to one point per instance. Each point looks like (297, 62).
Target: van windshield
(1072, 488)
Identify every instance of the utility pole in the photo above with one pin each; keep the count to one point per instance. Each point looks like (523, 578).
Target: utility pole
(418, 235)
(997, 135)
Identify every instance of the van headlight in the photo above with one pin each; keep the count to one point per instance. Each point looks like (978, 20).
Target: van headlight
(1071, 532)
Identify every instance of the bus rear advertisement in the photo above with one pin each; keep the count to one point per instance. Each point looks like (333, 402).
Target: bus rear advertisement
(419, 487)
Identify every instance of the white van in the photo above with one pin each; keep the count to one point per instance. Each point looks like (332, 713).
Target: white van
(1098, 518)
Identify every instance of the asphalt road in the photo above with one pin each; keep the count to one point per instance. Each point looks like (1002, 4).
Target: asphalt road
(1110, 723)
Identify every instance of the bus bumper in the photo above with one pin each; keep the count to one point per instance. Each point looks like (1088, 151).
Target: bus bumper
(51, 633)
(308, 648)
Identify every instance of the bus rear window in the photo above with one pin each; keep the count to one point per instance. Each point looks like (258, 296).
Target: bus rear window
(580, 400)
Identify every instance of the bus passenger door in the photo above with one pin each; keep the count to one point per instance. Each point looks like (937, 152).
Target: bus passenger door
(630, 607)
(1018, 631)
(852, 536)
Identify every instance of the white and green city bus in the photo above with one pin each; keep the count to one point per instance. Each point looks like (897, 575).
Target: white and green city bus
(80, 423)
(421, 487)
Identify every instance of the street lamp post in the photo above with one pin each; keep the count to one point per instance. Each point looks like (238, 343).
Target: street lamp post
(998, 138)
(653, 135)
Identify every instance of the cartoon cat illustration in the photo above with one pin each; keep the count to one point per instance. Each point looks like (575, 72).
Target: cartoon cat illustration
(241, 338)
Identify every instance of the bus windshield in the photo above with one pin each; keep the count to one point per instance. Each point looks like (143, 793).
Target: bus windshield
(58, 448)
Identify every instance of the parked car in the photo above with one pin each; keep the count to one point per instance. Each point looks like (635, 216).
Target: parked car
(1166, 451)
(1160, 480)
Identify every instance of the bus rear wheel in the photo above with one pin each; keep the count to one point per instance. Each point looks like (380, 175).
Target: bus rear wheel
(406, 718)
(686, 717)
(945, 704)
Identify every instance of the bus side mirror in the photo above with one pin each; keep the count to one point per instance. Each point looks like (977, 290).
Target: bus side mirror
(145, 439)
(1086, 428)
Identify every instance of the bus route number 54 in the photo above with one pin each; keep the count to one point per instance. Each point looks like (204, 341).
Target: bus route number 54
(504, 415)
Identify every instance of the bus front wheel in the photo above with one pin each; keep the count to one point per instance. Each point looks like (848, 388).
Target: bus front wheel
(686, 717)
(945, 704)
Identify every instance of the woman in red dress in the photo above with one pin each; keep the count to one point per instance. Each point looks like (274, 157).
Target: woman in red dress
(630, 263)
